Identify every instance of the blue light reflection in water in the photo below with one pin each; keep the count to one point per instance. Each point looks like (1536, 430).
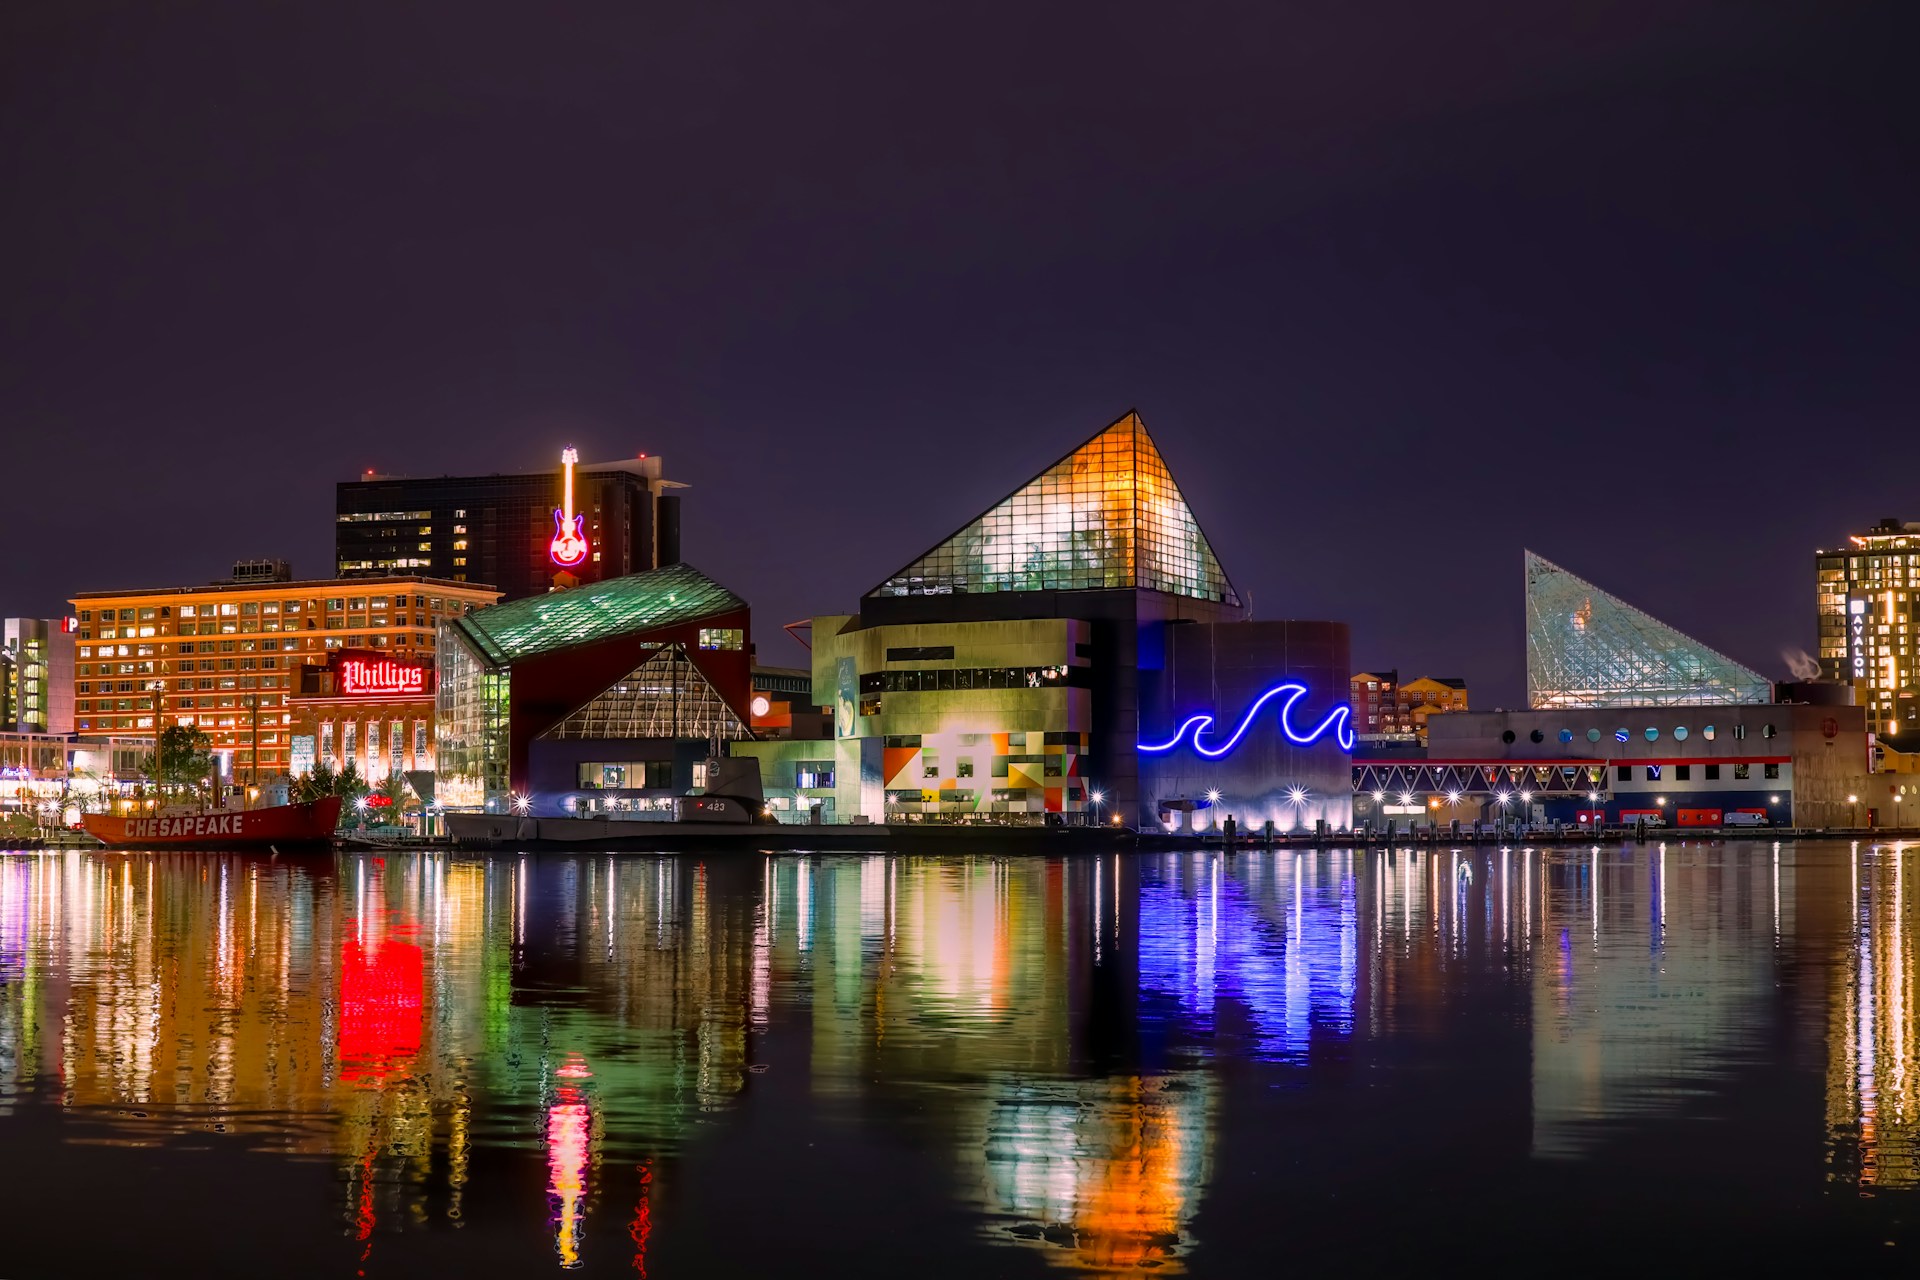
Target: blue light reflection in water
(1276, 932)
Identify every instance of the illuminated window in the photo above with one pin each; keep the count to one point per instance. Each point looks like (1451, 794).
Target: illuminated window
(1106, 516)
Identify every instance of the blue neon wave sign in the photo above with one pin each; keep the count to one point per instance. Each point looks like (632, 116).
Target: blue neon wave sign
(1338, 722)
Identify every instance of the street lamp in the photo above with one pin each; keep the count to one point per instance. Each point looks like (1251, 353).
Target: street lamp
(1098, 798)
(1854, 801)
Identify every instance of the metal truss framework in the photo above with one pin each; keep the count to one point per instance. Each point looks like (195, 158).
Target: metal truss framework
(665, 697)
(1586, 648)
(1435, 778)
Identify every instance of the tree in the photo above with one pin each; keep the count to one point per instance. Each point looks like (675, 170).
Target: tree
(395, 791)
(183, 758)
(322, 781)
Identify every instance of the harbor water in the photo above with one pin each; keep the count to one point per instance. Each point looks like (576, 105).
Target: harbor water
(1662, 1056)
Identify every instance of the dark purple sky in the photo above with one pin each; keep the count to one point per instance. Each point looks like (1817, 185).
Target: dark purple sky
(1399, 288)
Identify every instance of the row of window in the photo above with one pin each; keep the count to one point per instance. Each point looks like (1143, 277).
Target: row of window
(1684, 772)
(351, 741)
(626, 775)
(1027, 738)
(954, 679)
(146, 698)
(141, 704)
(921, 653)
(250, 627)
(206, 664)
(962, 795)
(260, 608)
(1652, 733)
(180, 682)
(246, 646)
(243, 732)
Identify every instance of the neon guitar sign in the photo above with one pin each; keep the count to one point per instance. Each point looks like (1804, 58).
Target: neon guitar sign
(569, 545)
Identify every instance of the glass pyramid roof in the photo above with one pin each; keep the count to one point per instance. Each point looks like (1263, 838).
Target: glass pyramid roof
(1586, 648)
(676, 594)
(664, 697)
(1108, 515)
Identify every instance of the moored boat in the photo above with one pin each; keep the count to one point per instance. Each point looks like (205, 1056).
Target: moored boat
(277, 826)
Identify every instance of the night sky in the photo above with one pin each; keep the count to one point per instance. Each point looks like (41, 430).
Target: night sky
(1399, 288)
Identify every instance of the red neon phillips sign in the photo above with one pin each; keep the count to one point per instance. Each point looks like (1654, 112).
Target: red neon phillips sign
(381, 676)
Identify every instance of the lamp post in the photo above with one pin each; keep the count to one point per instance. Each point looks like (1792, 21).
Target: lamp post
(1097, 797)
(1854, 802)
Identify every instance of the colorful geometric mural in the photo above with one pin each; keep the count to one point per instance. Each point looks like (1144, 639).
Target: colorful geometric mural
(986, 772)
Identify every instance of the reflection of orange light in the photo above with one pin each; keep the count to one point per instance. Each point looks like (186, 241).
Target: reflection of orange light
(1120, 1166)
(568, 1131)
(1132, 1211)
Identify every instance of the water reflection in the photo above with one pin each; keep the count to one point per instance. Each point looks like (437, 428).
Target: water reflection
(1066, 1046)
(1872, 1111)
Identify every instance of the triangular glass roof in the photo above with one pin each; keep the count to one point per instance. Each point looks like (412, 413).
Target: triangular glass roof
(664, 697)
(1107, 515)
(1586, 648)
(666, 597)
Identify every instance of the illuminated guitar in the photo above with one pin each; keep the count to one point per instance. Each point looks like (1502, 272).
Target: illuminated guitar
(569, 545)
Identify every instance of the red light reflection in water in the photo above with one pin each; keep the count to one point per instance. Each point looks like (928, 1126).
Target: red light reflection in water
(569, 1137)
(642, 1228)
(380, 1003)
(363, 1212)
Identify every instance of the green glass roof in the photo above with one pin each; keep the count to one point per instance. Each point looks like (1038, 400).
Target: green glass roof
(638, 602)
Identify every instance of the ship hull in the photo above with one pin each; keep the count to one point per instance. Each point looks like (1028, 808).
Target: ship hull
(279, 826)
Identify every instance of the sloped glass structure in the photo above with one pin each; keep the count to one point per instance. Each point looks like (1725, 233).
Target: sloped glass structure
(1108, 515)
(638, 602)
(664, 697)
(1587, 648)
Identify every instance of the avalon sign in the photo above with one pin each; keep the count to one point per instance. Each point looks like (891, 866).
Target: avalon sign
(1857, 637)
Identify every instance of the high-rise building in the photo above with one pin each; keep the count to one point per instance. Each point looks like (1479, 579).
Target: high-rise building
(225, 657)
(501, 529)
(31, 657)
(1866, 595)
(1589, 648)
